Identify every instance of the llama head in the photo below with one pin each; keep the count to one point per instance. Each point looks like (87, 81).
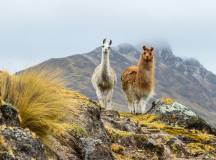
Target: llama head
(147, 54)
(106, 45)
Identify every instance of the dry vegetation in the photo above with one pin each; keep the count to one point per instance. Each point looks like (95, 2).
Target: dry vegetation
(42, 102)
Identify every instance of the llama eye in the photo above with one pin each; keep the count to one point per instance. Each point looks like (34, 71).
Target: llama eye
(102, 46)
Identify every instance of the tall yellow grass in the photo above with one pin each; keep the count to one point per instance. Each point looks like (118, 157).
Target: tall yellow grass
(39, 100)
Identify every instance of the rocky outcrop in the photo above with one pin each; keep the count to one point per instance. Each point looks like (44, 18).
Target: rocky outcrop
(139, 137)
(175, 114)
(169, 131)
(16, 142)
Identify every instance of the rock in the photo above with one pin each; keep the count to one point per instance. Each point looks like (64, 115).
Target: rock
(20, 144)
(151, 137)
(114, 118)
(8, 115)
(93, 144)
(94, 149)
(175, 113)
(96, 144)
(16, 142)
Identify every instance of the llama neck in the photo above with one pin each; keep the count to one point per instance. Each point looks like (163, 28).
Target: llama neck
(145, 72)
(105, 62)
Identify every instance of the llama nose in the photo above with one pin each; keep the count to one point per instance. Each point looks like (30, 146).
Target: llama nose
(147, 58)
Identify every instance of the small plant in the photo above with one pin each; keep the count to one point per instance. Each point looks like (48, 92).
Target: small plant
(167, 101)
(117, 148)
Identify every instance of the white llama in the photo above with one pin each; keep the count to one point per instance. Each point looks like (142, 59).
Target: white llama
(104, 77)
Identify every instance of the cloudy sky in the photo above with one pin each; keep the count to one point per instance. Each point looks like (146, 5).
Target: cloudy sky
(35, 30)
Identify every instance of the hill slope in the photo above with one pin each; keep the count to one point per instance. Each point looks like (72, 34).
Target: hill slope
(184, 80)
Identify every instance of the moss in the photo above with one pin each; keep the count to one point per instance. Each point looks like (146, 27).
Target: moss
(174, 147)
(198, 148)
(117, 134)
(121, 157)
(148, 120)
(151, 121)
(168, 137)
(167, 101)
(77, 130)
(117, 148)
(197, 136)
(139, 118)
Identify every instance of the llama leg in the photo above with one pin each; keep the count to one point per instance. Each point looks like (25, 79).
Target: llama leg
(100, 98)
(139, 107)
(134, 107)
(130, 107)
(104, 99)
(143, 105)
(109, 99)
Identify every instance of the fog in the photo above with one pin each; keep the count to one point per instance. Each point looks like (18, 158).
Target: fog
(32, 31)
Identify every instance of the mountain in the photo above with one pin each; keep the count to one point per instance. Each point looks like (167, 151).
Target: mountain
(185, 80)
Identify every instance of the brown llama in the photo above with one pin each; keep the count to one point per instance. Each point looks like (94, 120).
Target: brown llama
(138, 82)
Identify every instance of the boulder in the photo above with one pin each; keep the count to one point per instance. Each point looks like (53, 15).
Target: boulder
(16, 142)
(177, 114)
(8, 115)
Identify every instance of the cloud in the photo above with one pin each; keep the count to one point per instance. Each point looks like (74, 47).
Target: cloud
(55, 28)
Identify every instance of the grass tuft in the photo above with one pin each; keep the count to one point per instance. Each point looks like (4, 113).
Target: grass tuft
(41, 101)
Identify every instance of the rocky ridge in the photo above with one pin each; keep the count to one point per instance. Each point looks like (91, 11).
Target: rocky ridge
(169, 131)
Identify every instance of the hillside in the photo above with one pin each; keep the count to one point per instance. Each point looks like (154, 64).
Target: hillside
(184, 80)
(110, 135)
(40, 119)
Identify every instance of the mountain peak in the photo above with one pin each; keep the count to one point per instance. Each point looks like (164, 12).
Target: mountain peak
(125, 48)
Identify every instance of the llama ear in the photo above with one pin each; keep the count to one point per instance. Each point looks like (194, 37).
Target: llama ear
(152, 48)
(104, 40)
(144, 47)
(110, 42)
